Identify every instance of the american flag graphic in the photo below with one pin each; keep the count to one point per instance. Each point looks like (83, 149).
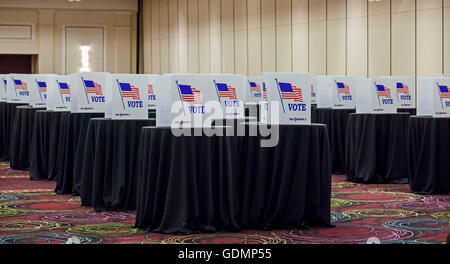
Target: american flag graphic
(383, 91)
(20, 85)
(343, 88)
(42, 87)
(190, 94)
(402, 88)
(444, 91)
(255, 87)
(291, 92)
(226, 91)
(264, 92)
(93, 87)
(129, 91)
(150, 89)
(64, 88)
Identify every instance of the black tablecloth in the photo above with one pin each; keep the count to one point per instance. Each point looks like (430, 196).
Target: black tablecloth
(7, 111)
(429, 145)
(73, 130)
(336, 121)
(44, 153)
(187, 183)
(21, 133)
(108, 179)
(411, 111)
(151, 113)
(252, 110)
(376, 148)
(208, 184)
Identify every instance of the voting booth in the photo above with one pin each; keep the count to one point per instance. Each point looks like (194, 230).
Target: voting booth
(152, 86)
(433, 96)
(230, 93)
(38, 90)
(292, 93)
(254, 89)
(425, 96)
(18, 88)
(91, 93)
(405, 92)
(59, 93)
(129, 96)
(335, 92)
(375, 95)
(3, 88)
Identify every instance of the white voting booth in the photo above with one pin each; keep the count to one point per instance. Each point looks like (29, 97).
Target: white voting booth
(18, 88)
(403, 90)
(152, 86)
(375, 95)
(3, 88)
(292, 92)
(129, 96)
(230, 93)
(91, 93)
(38, 90)
(433, 96)
(254, 89)
(59, 92)
(335, 92)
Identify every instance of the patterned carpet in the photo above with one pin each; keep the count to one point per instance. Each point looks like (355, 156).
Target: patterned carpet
(30, 212)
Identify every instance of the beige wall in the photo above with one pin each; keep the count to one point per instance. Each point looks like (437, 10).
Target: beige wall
(353, 37)
(49, 19)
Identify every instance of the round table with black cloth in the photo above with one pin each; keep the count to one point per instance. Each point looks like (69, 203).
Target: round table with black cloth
(429, 144)
(289, 185)
(7, 112)
(187, 184)
(336, 121)
(73, 130)
(44, 150)
(21, 134)
(376, 148)
(108, 179)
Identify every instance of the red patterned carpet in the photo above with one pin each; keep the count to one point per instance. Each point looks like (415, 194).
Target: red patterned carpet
(30, 212)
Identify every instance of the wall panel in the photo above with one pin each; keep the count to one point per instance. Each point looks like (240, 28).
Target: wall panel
(268, 46)
(300, 45)
(379, 38)
(403, 37)
(357, 38)
(254, 37)
(317, 37)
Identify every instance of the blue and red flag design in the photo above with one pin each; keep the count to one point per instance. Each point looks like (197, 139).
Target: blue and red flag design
(444, 91)
(383, 91)
(226, 91)
(150, 89)
(42, 87)
(255, 87)
(402, 88)
(64, 88)
(343, 88)
(20, 85)
(129, 91)
(291, 92)
(190, 94)
(93, 87)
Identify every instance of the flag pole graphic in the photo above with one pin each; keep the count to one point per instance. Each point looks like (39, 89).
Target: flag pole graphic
(120, 92)
(14, 83)
(181, 99)
(59, 89)
(338, 90)
(39, 88)
(440, 95)
(85, 91)
(281, 97)
(217, 91)
(378, 95)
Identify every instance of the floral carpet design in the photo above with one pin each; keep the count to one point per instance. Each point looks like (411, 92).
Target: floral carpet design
(30, 212)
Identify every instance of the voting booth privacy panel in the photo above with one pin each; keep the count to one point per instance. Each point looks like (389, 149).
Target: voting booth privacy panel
(58, 95)
(152, 86)
(129, 96)
(18, 86)
(335, 92)
(91, 93)
(404, 90)
(433, 96)
(375, 95)
(292, 93)
(253, 89)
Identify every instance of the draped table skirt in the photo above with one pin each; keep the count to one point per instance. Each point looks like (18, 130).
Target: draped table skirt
(72, 139)
(429, 144)
(336, 121)
(21, 134)
(44, 145)
(7, 112)
(108, 179)
(210, 184)
(376, 148)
